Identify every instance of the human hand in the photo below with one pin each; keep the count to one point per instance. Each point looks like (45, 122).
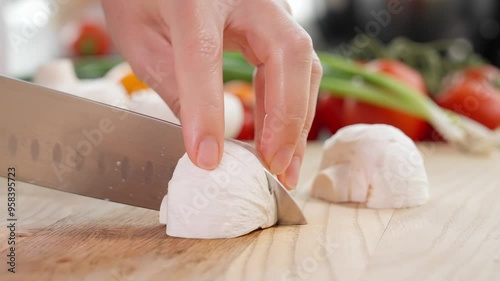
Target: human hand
(187, 37)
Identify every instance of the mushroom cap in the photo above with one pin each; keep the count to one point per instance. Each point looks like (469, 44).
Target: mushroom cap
(377, 164)
(103, 91)
(229, 201)
(234, 115)
(119, 71)
(148, 102)
(58, 74)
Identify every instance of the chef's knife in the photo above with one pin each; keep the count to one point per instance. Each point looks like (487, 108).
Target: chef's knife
(72, 144)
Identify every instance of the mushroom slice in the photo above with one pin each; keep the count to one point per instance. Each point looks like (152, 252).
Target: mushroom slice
(229, 201)
(373, 164)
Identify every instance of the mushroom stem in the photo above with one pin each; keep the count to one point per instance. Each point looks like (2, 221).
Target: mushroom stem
(332, 181)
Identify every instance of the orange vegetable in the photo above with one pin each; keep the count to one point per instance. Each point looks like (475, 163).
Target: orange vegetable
(133, 84)
(243, 90)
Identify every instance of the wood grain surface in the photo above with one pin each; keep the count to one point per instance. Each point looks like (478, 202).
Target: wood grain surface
(455, 237)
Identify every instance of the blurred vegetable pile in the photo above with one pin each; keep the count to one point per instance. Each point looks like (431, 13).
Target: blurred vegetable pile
(433, 91)
(426, 90)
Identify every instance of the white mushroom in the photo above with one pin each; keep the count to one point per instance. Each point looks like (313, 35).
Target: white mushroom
(119, 71)
(60, 75)
(234, 115)
(229, 201)
(103, 91)
(373, 164)
(148, 102)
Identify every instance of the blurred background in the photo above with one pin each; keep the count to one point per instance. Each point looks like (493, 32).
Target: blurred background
(423, 43)
(478, 22)
(37, 30)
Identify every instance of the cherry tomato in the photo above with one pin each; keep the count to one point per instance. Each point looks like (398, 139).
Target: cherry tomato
(316, 125)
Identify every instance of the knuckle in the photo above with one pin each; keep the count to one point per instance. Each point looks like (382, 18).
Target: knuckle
(286, 5)
(305, 132)
(282, 5)
(175, 106)
(317, 68)
(309, 119)
(295, 121)
(266, 5)
(138, 67)
(277, 5)
(226, 5)
(299, 41)
(292, 114)
(291, 121)
(212, 107)
(207, 46)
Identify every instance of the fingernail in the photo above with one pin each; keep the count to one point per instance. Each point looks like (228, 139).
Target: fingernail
(282, 159)
(208, 153)
(292, 173)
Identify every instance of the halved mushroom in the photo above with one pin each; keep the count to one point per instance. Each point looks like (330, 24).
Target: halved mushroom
(229, 201)
(373, 164)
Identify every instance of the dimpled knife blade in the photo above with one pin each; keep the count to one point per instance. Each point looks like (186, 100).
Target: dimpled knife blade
(71, 144)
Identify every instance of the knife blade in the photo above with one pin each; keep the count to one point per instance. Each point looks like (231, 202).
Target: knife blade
(72, 144)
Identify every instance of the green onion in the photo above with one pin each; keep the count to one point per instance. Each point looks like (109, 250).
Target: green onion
(456, 129)
(382, 90)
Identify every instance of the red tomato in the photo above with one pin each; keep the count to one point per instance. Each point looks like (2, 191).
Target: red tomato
(92, 40)
(248, 129)
(329, 111)
(358, 112)
(315, 126)
(473, 93)
(399, 70)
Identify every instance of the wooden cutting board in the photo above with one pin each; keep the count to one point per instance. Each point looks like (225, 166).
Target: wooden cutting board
(455, 237)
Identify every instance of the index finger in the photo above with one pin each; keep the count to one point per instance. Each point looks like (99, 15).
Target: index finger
(197, 43)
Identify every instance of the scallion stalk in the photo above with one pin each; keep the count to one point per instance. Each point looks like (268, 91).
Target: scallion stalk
(384, 91)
